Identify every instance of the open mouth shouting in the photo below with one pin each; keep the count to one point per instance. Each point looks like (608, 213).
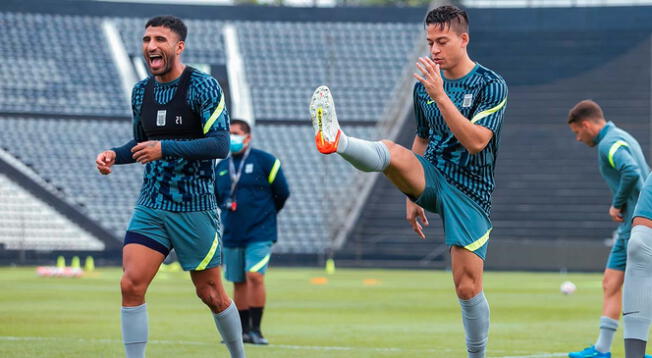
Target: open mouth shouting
(156, 62)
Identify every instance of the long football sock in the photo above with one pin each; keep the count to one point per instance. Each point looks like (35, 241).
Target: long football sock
(608, 327)
(244, 320)
(228, 323)
(635, 348)
(256, 317)
(365, 155)
(637, 301)
(134, 330)
(475, 316)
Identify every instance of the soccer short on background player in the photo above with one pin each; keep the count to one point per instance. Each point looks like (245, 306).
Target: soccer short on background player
(240, 260)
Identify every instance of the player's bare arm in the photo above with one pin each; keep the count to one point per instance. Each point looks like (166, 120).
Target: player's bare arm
(148, 151)
(105, 161)
(472, 136)
(412, 210)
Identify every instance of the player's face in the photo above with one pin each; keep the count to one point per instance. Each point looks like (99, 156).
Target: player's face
(447, 47)
(583, 132)
(161, 47)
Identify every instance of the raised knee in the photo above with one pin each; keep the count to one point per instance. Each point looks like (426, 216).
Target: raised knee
(391, 146)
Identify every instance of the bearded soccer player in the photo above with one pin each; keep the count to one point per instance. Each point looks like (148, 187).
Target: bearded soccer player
(459, 107)
(623, 166)
(180, 127)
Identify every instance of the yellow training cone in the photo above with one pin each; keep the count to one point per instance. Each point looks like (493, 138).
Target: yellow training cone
(330, 266)
(74, 263)
(89, 265)
(61, 262)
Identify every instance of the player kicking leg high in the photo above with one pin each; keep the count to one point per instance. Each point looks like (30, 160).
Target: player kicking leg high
(459, 106)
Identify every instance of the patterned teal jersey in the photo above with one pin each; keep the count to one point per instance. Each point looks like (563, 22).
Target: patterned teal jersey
(174, 183)
(480, 96)
(623, 166)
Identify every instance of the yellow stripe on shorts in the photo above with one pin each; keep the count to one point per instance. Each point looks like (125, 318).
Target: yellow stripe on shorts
(479, 242)
(613, 149)
(209, 256)
(260, 264)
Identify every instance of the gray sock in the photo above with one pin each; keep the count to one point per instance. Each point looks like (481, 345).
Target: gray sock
(134, 330)
(363, 154)
(634, 348)
(228, 323)
(608, 327)
(475, 316)
(637, 300)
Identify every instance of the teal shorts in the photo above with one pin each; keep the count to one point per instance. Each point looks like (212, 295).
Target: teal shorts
(465, 223)
(618, 255)
(252, 258)
(195, 236)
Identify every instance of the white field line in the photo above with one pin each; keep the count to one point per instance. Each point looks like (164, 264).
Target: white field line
(280, 346)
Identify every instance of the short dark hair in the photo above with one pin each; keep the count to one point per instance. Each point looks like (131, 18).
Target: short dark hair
(448, 16)
(243, 124)
(171, 22)
(585, 110)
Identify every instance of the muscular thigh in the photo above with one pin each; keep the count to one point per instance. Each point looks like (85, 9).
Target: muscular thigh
(405, 170)
(140, 263)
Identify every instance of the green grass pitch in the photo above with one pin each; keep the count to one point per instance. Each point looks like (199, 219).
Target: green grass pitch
(356, 313)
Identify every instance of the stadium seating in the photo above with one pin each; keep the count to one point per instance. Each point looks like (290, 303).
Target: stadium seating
(63, 67)
(548, 187)
(204, 43)
(318, 185)
(62, 151)
(67, 162)
(29, 224)
(361, 63)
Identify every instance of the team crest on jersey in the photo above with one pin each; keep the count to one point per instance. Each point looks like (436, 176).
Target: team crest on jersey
(468, 99)
(160, 118)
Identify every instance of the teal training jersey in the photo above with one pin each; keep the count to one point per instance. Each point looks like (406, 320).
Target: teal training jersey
(623, 166)
(174, 183)
(644, 204)
(481, 96)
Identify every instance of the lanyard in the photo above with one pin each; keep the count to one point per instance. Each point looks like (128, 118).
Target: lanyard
(235, 176)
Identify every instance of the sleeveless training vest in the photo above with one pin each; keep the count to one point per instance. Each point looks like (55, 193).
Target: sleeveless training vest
(173, 120)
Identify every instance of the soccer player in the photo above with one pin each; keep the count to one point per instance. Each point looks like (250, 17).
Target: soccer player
(637, 297)
(622, 165)
(459, 107)
(251, 189)
(180, 126)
